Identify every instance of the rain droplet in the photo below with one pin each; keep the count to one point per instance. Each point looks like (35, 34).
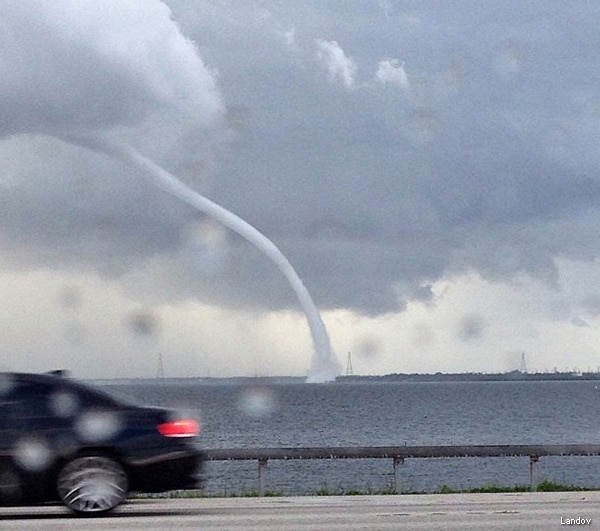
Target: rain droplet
(206, 243)
(6, 384)
(63, 404)
(257, 402)
(471, 327)
(33, 454)
(70, 297)
(367, 347)
(143, 323)
(424, 125)
(98, 425)
(510, 60)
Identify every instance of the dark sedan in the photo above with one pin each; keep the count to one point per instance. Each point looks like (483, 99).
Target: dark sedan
(62, 440)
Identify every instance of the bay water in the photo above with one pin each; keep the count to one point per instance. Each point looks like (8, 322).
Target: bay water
(260, 413)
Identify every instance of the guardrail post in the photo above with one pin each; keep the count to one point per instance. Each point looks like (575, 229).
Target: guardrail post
(533, 479)
(398, 462)
(262, 469)
(400, 453)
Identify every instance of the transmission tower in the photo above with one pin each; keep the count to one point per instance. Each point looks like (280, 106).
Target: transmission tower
(160, 371)
(349, 371)
(523, 365)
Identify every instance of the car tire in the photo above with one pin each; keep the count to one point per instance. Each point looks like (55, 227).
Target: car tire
(92, 484)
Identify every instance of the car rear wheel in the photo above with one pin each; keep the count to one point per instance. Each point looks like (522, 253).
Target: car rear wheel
(93, 484)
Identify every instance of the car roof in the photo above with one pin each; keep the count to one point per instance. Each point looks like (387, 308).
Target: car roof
(56, 378)
(34, 377)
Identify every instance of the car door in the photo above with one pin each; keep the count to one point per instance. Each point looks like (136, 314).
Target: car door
(28, 440)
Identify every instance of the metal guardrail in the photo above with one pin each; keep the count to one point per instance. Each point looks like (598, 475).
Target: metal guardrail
(399, 453)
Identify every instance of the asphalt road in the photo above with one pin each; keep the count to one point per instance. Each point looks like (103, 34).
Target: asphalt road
(525, 511)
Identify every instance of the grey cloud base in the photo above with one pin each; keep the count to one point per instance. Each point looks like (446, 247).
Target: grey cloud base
(484, 159)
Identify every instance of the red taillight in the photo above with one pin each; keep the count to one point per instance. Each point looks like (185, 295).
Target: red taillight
(179, 428)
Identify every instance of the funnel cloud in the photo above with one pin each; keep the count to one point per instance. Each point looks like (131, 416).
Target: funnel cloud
(84, 69)
(324, 366)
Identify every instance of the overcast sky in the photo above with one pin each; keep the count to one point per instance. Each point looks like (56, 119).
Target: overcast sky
(431, 170)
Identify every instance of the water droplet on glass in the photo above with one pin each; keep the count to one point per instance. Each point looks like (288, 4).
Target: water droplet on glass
(367, 347)
(6, 384)
(257, 402)
(98, 425)
(471, 327)
(63, 404)
(143, 323)
(423, 125)
(71, 297)
(206, 243)
(510, 60)
(33, 454)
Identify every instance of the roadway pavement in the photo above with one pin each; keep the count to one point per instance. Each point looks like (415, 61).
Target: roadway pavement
(523, 511)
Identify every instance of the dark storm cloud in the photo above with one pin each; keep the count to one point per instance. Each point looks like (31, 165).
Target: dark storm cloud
(486, 163)
(481, 155)
(70, 65)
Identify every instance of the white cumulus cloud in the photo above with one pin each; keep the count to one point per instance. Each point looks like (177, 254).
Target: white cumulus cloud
(341, 68)
(390, 71)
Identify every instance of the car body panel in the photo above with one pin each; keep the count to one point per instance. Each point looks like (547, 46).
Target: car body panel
(46, 420)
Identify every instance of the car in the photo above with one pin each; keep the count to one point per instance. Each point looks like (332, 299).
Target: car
(64, 440)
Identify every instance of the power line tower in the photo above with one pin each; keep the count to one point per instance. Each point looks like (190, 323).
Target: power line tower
(349, 371)
(160, 371)
(523, 365)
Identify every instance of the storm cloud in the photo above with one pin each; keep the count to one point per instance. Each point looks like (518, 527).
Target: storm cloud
(382, 149)
(486, 162)
(68, 65)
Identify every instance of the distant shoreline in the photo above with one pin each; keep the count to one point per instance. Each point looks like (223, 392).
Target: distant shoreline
(513, 376)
